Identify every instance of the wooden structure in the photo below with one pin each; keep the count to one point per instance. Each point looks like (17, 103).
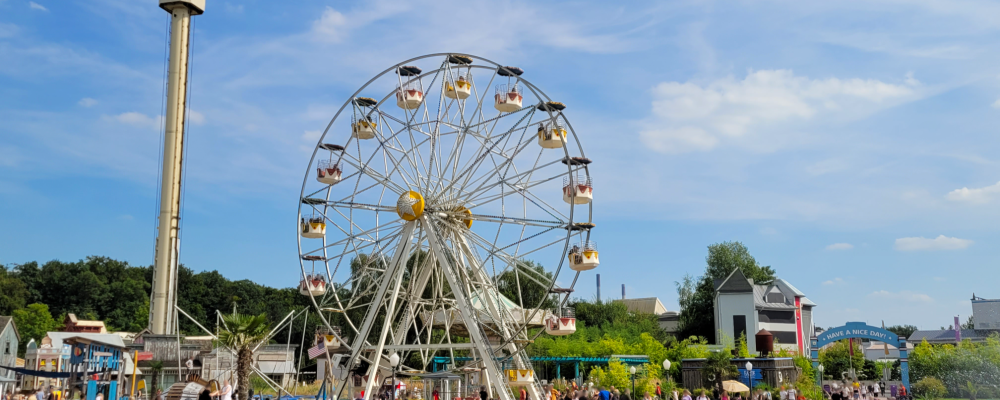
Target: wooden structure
(772, 371)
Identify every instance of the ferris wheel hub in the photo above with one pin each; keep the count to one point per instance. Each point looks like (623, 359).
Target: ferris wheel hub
(410, 206)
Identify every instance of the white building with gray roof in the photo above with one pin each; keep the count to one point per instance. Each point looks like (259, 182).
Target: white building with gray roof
(744, 307)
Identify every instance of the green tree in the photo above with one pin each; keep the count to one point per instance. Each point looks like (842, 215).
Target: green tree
(836, 359)
(242, 333)
(720, 366)
(528, 287)
(33, 322)
(930, 388)
(902, 330)
(698, 301)
(13, 292)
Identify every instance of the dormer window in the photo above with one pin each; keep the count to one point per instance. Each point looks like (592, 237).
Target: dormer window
(775, 297)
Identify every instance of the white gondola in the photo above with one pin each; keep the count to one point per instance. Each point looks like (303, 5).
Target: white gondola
(461, 89)
(520, 377)
(508, 98)
(328, 172)
(329, 338)
(409, 96)
(363, 128)
(583, 258)
(313, 228)
(561, 323)
(551, 136)
(578, 190)
(313, 285)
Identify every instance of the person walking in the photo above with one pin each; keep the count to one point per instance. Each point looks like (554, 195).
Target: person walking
(703, 395)
(659, 392)
(686, 395)
(604, 394)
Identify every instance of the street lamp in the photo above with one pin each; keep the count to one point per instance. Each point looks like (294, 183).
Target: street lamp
(666, 368)
(750, 375)
(394, 362)
(632, 371)
(819, 380)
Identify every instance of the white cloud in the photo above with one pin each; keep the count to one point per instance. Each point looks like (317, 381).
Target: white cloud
(941, 242)
(87, 102)
(692, 117)
(331, 26)
(36, 6)
(976, 196)
(904, 295)
(196, 118)
(834, 281)
(840, 246)
(136, 119)
(996, 104)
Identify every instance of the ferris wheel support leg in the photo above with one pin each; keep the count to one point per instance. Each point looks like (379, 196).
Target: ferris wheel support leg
(480, 343)
(395, 267)
(534, 390)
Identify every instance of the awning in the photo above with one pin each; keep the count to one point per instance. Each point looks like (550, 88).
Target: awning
(276, 367)
(129, 365)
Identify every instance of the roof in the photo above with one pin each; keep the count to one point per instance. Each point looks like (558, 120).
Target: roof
(57, 338)
(736, 282)
(645, 305)
(948, 335)
(9, 320)
(759, 293)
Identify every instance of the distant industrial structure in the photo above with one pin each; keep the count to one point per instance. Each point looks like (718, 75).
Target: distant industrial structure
(986, 321)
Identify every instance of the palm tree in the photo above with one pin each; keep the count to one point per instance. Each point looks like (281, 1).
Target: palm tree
(241, 334)
(155, 367)
(719, 364)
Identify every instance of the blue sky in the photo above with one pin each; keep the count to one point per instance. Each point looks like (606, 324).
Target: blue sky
(850, 144)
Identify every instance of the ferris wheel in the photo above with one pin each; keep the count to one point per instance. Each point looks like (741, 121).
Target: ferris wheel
(441, 205)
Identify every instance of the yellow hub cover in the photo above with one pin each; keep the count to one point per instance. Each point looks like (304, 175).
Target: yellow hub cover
(410, 206)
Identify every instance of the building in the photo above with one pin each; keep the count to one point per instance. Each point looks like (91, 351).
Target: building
(276, 361)
(985, 313)
(9, 340)
(74, 324)
(53, 355)
(668, 320)
(875, 350)
(986, 321)
(744, 307)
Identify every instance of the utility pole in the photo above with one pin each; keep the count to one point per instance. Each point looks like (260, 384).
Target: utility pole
(162, 318)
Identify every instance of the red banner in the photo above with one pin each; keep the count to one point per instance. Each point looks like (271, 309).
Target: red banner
(144, 356)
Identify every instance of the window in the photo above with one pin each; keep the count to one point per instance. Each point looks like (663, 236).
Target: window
(739, 326)
(775, 297)
(7, 348)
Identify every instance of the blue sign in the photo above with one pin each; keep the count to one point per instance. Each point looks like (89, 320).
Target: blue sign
(856, 330)
(758, 378)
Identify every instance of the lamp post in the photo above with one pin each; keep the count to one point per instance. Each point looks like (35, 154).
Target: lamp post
(394, 362)
(819, 379)
(750, 375)
(632, 371)
(666, 368)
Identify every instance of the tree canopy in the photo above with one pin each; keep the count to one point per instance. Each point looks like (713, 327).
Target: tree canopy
(697, 295)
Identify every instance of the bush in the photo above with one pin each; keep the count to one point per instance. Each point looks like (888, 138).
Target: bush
(930, 387)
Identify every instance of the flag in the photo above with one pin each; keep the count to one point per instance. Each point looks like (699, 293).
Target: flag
(850, 345)
(317, 350)
(886, 345)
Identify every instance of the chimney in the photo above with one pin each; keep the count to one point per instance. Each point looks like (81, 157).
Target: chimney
(623, 291)
(598, 288)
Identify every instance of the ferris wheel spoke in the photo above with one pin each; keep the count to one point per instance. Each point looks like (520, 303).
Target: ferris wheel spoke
(518, 149)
